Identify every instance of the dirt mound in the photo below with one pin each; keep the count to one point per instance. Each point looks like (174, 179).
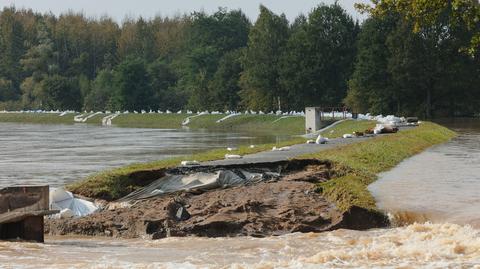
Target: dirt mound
(289, 204)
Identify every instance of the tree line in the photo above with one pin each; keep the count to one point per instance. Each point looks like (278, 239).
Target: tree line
(400, 60)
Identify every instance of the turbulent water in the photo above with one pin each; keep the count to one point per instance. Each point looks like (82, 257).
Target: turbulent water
(440, 185)
(414, 246)
(59, 154)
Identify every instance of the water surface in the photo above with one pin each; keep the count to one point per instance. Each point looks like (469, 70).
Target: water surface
(59, 154)
(441, 184)
(414, 246)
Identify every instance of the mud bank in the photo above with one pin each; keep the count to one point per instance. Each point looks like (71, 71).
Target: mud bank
(290, 202)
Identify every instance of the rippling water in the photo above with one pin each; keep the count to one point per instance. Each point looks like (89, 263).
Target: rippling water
(440, 185)
(59, 154)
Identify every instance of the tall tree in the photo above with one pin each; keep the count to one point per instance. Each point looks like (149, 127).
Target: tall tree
(132, 86)
(11, 46)
(369, 85)
(319, 58)
(208, 38)
(59, 92)
(261, 89)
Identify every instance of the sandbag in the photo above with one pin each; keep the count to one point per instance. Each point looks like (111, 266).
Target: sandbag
(61, 199)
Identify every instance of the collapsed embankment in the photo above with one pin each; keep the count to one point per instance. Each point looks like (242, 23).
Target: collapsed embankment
(324, 191)
(287, 201)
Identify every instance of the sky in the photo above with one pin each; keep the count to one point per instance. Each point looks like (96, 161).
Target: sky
(119, 9)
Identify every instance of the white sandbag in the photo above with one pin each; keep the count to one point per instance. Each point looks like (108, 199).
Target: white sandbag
(347, 136)
(232, 148)
(311, 142)
(66, 213)
(281, 149)
(189, 163)
(232, 156)
(321, 140)
(61, 199)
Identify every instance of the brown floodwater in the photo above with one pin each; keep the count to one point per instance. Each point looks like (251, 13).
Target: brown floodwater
(439, 188)
(414, 246)
(440, 185)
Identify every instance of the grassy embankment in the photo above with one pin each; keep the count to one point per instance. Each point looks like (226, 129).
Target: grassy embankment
(259, 123)
(357, 165)
(116, 183)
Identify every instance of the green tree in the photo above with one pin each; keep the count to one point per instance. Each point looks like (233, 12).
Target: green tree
(102, 90)
(132, 86)
(369, 85)
(7, 91)
(427, 13)
(11, 46)
(319, 58)
(61, 93)
(259, 80)
(224, 85)
(163, 80)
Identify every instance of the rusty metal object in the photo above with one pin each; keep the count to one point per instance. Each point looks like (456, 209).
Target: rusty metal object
(21, 212)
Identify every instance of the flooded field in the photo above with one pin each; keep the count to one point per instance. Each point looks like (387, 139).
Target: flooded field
(59, 154)
(441, 185)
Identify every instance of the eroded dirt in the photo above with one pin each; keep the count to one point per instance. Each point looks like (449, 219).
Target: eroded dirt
(290, 203)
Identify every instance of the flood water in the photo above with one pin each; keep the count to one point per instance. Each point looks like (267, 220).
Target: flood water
(441, 184)
(59, 154)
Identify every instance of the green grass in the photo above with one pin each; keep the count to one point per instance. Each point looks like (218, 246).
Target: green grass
(160, 121)
(348, 127)
(357, 165)
(253, 123)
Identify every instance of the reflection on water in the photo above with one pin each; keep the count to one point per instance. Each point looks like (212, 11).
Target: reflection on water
(418, 245)
(58, 154)
(441, 184)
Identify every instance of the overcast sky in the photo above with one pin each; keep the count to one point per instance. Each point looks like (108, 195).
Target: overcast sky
(118, 9)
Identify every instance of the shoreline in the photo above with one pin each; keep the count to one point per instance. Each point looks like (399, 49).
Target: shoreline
(346, 201)
(263, 123)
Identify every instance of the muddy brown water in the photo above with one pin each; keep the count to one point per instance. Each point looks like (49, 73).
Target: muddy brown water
(441, 185)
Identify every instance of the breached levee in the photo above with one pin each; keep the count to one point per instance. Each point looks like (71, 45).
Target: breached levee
(259, 200)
